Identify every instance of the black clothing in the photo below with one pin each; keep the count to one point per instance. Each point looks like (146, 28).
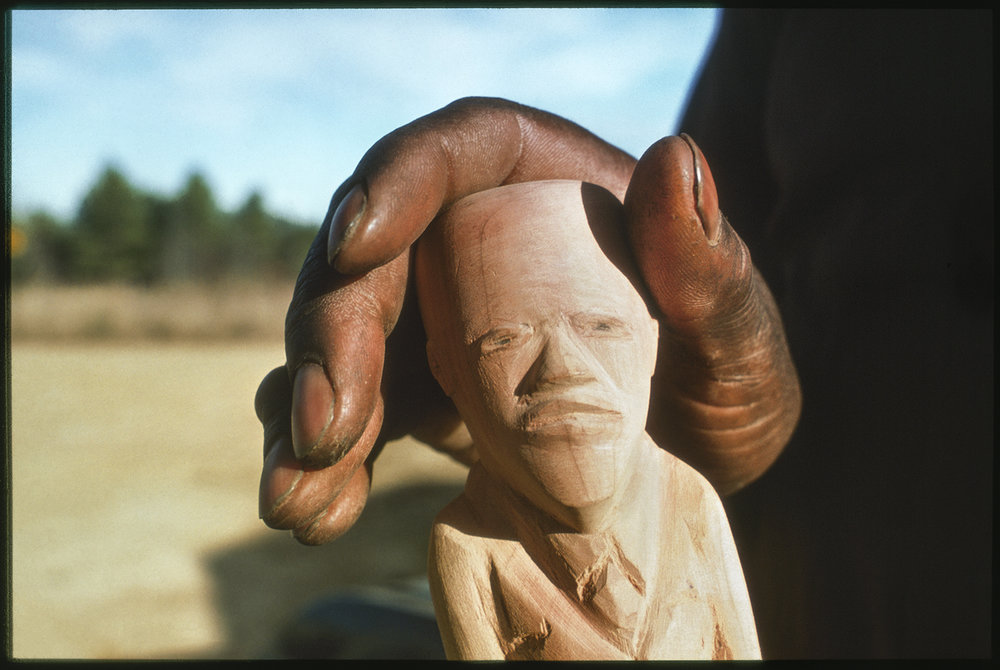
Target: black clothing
(853, 152)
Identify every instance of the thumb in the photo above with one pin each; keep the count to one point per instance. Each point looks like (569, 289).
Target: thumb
(695, 265)
(725, 394)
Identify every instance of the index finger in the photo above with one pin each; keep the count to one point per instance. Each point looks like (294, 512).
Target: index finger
(473, 144)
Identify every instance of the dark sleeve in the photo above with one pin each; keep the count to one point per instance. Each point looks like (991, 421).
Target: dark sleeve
(853, 152)
(725, 116)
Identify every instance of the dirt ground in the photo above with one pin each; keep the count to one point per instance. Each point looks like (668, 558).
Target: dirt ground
(134, 473)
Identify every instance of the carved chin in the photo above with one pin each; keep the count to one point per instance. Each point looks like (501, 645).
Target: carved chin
(575, 476)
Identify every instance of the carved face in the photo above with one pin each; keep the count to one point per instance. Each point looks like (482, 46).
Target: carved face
(542, 343)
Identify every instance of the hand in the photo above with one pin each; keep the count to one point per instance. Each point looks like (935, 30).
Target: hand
(322, 412)
(725, 394)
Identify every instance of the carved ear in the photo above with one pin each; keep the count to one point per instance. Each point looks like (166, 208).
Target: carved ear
(439, 371)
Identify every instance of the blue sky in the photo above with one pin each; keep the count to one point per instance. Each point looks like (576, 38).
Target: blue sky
(286, 102)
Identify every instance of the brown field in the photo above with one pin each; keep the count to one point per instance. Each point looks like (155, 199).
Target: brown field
(170, 313)
(134, 471)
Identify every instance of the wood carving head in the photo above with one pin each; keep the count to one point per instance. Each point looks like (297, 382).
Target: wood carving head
(541, 340)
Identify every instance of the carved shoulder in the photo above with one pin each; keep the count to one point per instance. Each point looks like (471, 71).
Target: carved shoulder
(459, 568)
(716, 566)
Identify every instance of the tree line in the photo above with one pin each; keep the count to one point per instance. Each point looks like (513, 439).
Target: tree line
(122, 233)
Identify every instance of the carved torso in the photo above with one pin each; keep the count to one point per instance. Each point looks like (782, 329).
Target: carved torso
(540, 596)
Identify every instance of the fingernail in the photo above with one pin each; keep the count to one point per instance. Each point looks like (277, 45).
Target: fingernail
(705, 194)
(312, 408)
(346, 216)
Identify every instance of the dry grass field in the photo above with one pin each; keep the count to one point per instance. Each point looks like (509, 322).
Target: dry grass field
(135, 462)
(173, 313)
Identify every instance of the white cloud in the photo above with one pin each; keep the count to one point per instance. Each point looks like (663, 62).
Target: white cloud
(288, 101)
(37, 68)
(100, 30)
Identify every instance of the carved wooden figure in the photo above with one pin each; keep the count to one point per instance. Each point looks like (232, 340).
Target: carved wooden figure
(576, 536)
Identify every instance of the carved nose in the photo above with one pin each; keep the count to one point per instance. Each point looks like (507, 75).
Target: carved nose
(559, 363)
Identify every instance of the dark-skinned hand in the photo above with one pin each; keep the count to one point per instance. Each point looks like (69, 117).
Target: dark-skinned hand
(725, 395)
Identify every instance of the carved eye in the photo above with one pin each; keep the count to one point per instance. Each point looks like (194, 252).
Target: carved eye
(500, 341)
(503, 338)
(600, 325)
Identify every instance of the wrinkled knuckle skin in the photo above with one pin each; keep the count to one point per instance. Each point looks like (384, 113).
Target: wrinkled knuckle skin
(337, 517)
(319, 293)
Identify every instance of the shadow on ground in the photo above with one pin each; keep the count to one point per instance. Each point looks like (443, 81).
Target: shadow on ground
(361, 596)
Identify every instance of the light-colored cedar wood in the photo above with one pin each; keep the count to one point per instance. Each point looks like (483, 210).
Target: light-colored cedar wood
(576, 536)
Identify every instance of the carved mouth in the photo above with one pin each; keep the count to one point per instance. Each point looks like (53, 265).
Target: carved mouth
(561, 415)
